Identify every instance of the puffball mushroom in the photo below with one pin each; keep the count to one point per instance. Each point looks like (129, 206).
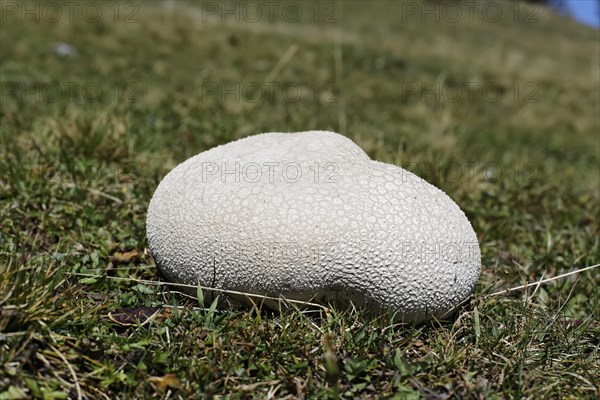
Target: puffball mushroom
(309, 216)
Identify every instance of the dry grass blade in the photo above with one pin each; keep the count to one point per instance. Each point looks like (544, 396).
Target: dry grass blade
(134, 316)
(71, 370)
(249, 296)
(537, 283)
(285, 58)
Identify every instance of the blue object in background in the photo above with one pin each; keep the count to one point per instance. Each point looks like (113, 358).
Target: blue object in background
(585, 11)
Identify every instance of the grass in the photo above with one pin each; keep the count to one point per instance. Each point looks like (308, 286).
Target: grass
(85, 138)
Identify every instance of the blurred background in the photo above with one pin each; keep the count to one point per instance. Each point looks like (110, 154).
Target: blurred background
(585, 11)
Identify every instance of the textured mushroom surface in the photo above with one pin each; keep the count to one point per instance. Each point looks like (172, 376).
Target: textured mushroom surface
(310, 217)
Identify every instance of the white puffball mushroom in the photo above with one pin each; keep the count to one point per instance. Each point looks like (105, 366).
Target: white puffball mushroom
(309, 216)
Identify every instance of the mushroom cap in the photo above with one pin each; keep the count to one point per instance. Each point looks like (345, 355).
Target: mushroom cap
(309, 216)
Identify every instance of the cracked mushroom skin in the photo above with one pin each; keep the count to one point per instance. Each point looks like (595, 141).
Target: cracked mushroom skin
(309, 216)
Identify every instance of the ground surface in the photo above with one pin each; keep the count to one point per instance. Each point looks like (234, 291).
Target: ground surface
(502, 115)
